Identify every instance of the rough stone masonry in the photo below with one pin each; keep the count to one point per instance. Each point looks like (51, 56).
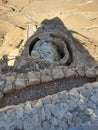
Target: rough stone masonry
(60, 111)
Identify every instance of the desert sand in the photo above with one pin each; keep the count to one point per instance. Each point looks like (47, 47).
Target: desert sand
(79, 16)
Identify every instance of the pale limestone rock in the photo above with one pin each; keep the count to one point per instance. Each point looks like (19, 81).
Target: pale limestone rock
(81, 70)
(54, 121)
(74, 93)
(20, 83)
(70, 73)
(38, 103)
(10, 78)
(9, 86)
(57, 73)
(34, 78)
(46, 75)
(91, 72)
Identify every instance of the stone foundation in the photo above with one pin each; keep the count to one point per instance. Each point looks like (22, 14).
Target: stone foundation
(14, 81)
(55, 112)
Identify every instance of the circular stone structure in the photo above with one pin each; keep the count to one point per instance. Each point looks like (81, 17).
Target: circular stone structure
(53, 46)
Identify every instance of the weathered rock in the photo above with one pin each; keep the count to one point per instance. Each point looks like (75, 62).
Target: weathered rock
(46, 125)
(82, 91)
(39, 103)
(46, 75)
(47, 50)
(57, 73)
(68, 115)
(91, 72)
(27, 125)
(55, 98)
(34, 78)
(74, 93)
(54, 121)
(46, 100)
(10, 79)
(70, 73)
(28, 108)
(9, 86)
(48, 111)
(19, 112)
(81, 70)
(55, 109)
(10, 115)
(42, 114)
(64, 95)
(94, 99)
(20, 83)
(35, 55)
(91, 104)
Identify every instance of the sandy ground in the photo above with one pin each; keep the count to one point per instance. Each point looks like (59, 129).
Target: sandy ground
(79, 16)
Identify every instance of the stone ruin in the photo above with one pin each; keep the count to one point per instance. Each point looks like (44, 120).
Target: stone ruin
(51, 53)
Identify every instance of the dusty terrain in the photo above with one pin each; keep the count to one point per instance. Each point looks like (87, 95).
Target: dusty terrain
(76, 102)
(80, 16)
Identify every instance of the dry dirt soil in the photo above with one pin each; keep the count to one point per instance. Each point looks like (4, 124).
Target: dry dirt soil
(79, 16)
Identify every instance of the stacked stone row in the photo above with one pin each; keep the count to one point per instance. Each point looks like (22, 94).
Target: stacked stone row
(14, 81)
(60, 111)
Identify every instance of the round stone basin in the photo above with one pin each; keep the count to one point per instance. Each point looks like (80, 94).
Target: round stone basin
(52, 48)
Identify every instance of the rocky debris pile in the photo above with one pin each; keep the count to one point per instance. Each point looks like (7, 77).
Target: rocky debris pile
(56, 112)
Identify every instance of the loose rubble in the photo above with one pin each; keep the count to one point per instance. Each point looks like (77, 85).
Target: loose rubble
(60, 111)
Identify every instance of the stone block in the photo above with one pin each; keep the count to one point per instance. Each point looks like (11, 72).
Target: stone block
(81, 70)
(10, 79)
(20, 83)
(9, 86)
(91, 72)
(70, 73)
(34, 78)
(57, 73)
(46, 75)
